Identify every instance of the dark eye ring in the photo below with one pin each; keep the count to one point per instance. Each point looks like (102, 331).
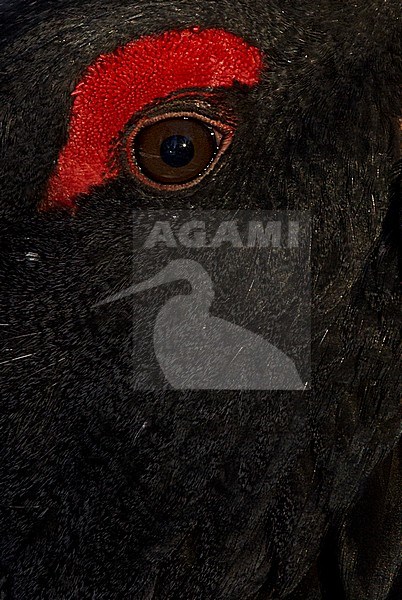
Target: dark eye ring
(174, 151)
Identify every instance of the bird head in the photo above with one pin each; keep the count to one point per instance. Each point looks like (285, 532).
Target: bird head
(111, 107)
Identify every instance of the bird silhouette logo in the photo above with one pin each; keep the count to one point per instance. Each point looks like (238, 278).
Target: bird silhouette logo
(198, 351)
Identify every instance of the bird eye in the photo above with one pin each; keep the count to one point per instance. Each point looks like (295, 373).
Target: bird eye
(176, 151)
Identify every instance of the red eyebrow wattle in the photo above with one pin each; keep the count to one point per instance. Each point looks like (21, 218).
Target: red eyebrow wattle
(121, 83)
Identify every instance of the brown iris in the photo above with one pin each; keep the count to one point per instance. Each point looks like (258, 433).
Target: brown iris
(176, 150)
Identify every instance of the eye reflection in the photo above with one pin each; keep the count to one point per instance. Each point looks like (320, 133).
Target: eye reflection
(177, 151)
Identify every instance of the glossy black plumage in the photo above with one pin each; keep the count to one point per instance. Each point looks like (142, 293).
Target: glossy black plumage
(107, 494)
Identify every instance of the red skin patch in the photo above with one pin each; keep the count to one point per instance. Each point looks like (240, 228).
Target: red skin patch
(120, 84)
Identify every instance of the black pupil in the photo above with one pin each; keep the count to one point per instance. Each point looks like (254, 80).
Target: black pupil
(177, 151)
